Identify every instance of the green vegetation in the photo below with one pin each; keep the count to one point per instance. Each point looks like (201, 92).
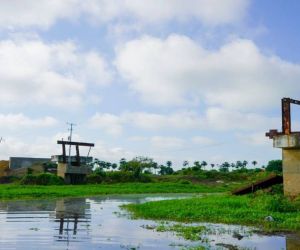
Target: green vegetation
(274, 166)
(17, 191)
(269, 212)
(193, 233)
(42, 179)
(139, 175)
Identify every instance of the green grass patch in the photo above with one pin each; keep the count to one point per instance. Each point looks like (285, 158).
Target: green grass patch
(17, 191)
(193, 233)
(249, 210)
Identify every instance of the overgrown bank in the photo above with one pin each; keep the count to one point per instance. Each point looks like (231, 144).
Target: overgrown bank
(16, 191)
(269, 212)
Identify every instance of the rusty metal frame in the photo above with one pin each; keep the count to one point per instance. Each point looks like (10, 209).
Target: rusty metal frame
(76, 144)
(286, 118)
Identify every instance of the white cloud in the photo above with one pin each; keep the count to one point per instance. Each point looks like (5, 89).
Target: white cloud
(110, 123)
(111, 153)
(114, 124)
(42, 146)
(16, 121)
(44, 13)
(213, 119)
(179, 71)
(255, 139)
(224, 119)
(155, 121)
(39, 147)
(203, 141)
(166, 143)
(57, 74)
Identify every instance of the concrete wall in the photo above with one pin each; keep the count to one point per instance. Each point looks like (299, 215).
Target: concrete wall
(72, 174)
(25, 162)
(291, 171)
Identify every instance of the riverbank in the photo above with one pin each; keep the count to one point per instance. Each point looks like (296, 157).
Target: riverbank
(266, 212)
(17, 191)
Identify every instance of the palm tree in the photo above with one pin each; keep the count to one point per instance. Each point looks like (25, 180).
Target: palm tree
(203, 164)
(197, 165)
(185, 163)
(245, 163)
(254, 163)
(114, 166)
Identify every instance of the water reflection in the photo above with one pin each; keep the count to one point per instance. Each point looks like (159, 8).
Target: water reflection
(69, 214)
(98, 223)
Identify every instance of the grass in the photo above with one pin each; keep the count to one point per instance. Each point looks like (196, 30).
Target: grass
(17, 191)
(192, 233)
(249, 210)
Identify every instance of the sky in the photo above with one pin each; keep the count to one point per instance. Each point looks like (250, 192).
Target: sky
(167, 79)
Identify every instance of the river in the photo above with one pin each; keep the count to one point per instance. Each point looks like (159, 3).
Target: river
(99, 223)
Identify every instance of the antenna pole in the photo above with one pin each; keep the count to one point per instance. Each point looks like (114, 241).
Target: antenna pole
(70, 140)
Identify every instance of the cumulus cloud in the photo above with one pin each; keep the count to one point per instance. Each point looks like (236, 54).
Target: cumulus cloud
(13, 121)
(255, 139)
(43, 13)
(203, 141)
(32, 71)
(224, 120)
(179, 71)
(166, 142)
(111, 153)
(114, 124)
(215, 119)
(110, 123)
(39, 147)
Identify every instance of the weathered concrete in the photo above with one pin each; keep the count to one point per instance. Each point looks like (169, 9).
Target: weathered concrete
(72, 174)
(25, 162)
(291, 141)
(290, 145)
(291, 171)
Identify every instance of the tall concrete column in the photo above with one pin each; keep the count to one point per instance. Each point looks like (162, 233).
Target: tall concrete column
(290, 145)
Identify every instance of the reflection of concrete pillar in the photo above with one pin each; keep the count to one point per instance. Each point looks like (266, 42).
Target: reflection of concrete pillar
(75, 224)
(290, 145)
(292, 242)
(61, 226)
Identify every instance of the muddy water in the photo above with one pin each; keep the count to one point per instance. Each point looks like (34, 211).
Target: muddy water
(98, 223)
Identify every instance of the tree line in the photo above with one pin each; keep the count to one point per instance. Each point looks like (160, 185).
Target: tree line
(147, 165)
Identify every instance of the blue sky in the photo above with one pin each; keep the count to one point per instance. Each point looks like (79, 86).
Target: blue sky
(173, 80)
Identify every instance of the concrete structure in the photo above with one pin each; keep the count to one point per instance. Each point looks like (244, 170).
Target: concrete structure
(289, 142)
(290, 145)
(25, 162)
(73, 174)
(74, 168)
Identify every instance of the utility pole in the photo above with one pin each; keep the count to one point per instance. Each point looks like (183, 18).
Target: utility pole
(70, 139)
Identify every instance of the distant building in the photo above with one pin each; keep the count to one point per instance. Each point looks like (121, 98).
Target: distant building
(25, 162)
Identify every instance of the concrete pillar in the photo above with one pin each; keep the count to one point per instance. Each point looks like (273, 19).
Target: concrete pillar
(290, 145)
(62, 169)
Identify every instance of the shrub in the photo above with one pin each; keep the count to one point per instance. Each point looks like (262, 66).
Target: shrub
(8, 179)
(279, 203)
(274, 203)
(277, 189)
(125, 176)
(94, 178)
(186, 182)
(274, 166)
(42, 179)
